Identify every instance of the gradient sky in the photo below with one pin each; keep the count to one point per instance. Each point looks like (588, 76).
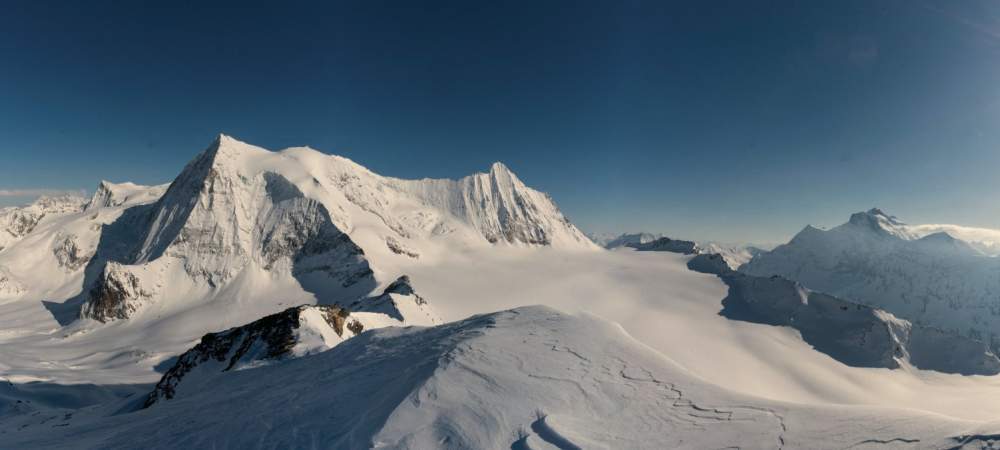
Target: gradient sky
(734, 121)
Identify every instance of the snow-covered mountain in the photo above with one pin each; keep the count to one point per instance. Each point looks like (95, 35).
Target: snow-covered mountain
(247, 280)
(16, 222)
(665, 244)
(929, 279)
(855, 334)
(611, 241)
(244, 232)
(735, 254)
(526, 378)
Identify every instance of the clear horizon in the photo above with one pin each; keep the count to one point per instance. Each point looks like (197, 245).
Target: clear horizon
(734, 123)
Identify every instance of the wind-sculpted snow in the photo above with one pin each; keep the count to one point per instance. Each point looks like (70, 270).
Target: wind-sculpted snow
(530, 377)
(934, 280)
(852, 333)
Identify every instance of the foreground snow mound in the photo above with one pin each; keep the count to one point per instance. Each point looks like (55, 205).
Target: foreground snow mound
(855, 334)
(292, 333)
(934, 279)
(528, 378)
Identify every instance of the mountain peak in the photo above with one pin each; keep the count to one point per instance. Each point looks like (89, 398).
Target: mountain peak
(499, 167)
(877, 220)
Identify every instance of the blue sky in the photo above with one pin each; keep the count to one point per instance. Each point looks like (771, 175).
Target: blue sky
(735, 121)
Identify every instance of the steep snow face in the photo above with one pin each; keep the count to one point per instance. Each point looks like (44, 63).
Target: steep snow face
(526, 378)
(928, 279)
(111, 195)
(494, 207)
(218, 219)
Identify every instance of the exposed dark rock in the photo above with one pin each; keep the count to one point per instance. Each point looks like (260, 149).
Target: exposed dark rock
(68, 254)
(666, 244)
(385, 304)
(271, 337)
(114, 296)
(399, 249)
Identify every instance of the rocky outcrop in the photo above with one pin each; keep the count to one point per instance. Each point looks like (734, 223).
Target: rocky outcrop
(117, 294)
(396, 247)
(9, 286)
(269, 338)
(852, 333)
(399, 301)
(68, 253)
(665, 244)
(294, 332)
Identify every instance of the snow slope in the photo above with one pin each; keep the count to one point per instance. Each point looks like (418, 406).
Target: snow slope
(529, 378)
(929, 279)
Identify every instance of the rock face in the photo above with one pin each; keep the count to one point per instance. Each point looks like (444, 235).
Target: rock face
(852, 333)
(292, 333)
(665, 244)
(117, 294)
(933, 280)
(68, 252)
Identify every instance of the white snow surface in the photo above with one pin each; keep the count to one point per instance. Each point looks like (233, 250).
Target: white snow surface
(529, 378)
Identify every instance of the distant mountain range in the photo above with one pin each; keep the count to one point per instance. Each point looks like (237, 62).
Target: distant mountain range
(926, 276)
